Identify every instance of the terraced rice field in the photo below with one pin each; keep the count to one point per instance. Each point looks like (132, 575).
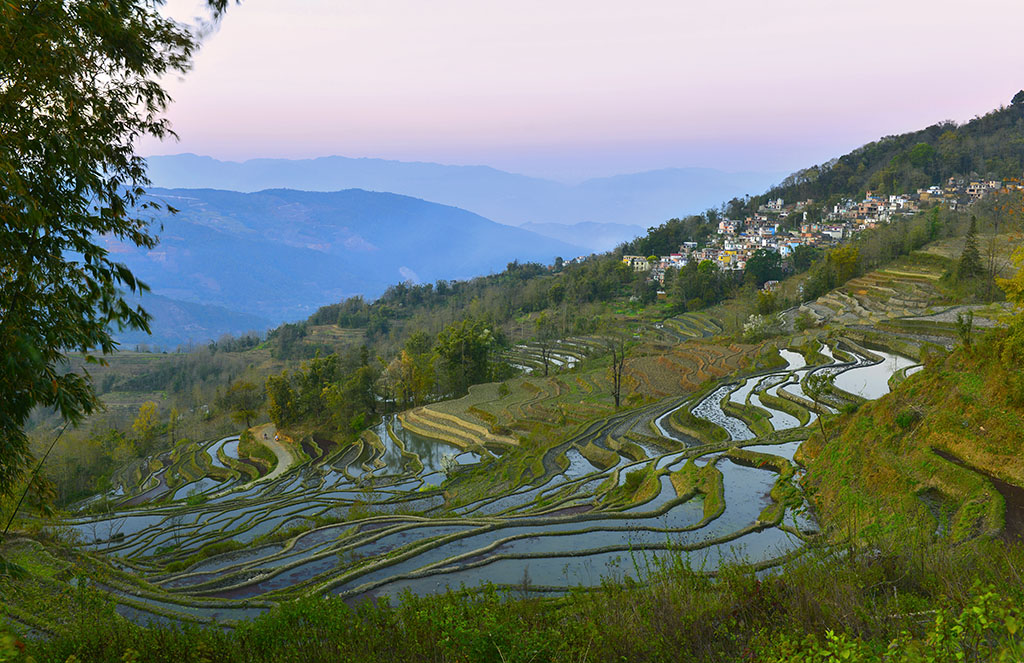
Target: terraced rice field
(904, 302)
(907, 290)
(542, 408)
(561, 354)
(400, 511)
(689, 326)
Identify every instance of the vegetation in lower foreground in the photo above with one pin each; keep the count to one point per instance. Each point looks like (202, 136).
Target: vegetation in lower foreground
(903, 599)
(903, 589)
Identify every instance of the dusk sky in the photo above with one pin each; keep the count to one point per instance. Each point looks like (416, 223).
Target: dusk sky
(576, 88)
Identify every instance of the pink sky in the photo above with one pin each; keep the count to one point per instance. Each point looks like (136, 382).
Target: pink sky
(575, 88)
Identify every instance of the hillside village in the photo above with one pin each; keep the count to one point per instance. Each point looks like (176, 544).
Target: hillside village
(774, 226)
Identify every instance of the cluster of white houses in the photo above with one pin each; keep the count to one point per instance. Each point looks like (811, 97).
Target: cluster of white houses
(737, 240)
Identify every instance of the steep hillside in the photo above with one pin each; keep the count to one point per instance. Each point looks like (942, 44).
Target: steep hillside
(988, 146)
(941, 454)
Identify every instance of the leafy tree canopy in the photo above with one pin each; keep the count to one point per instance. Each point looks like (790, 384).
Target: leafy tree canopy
(78, 87)
(762, 266)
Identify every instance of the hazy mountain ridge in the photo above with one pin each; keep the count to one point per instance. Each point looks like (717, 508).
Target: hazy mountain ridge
(640, 199)
(279, 254)
(175, 322)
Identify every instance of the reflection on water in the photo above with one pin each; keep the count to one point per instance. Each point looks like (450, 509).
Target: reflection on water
(430, 451)
(711, 409)
(565, 514)
(872, 381)
(794, 360)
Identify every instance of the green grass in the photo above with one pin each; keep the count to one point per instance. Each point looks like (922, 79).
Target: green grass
(687, 423)
(754, 417)
(909, 601)
(598, 456)
(878, 460)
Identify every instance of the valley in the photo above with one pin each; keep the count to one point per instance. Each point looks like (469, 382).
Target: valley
(365, 409)
(415, 513)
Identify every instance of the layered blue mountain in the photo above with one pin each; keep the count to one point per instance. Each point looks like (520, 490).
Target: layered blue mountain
(279, 254)
(640, 199)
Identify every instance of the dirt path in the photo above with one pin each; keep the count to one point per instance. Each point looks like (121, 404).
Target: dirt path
(265, 435)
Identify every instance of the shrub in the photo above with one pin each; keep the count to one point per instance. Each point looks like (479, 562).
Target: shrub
(759, 327)
(804, 320)
(908, 418)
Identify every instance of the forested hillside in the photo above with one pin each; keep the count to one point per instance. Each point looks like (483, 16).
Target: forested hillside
(990, 146)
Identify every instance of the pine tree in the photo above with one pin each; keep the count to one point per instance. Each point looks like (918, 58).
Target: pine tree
(970, 260)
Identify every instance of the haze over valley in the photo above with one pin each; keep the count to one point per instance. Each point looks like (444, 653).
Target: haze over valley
(279, 254)
(274, 239)
(638, 332)
(636, 199)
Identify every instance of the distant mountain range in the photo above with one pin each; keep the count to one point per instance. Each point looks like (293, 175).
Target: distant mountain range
(640, 199)
(277, 255)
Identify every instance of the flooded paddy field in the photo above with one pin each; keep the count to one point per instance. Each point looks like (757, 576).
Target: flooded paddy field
(387, 514)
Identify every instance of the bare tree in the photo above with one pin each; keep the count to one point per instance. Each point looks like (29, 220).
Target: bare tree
(546, 334)
(617, 346)
(816, 385)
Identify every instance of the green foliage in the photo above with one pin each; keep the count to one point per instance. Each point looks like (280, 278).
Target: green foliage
(986, 146)
(804, 320)
(839, 266)
(1013, 344)
(907, 418)
(78, 88)
(332, 390)
(970, 265)
(767, 302)
(146, 423)
(965, 327)
(464, 350)
(758, 327)
(667, 237)
(243, 400)
(700, 285)
(287, 342)
(762, 266)
(987, 629)
(803, 257)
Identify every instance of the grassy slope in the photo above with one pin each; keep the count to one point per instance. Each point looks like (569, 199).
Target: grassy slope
(879, 461)
(894, 601)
